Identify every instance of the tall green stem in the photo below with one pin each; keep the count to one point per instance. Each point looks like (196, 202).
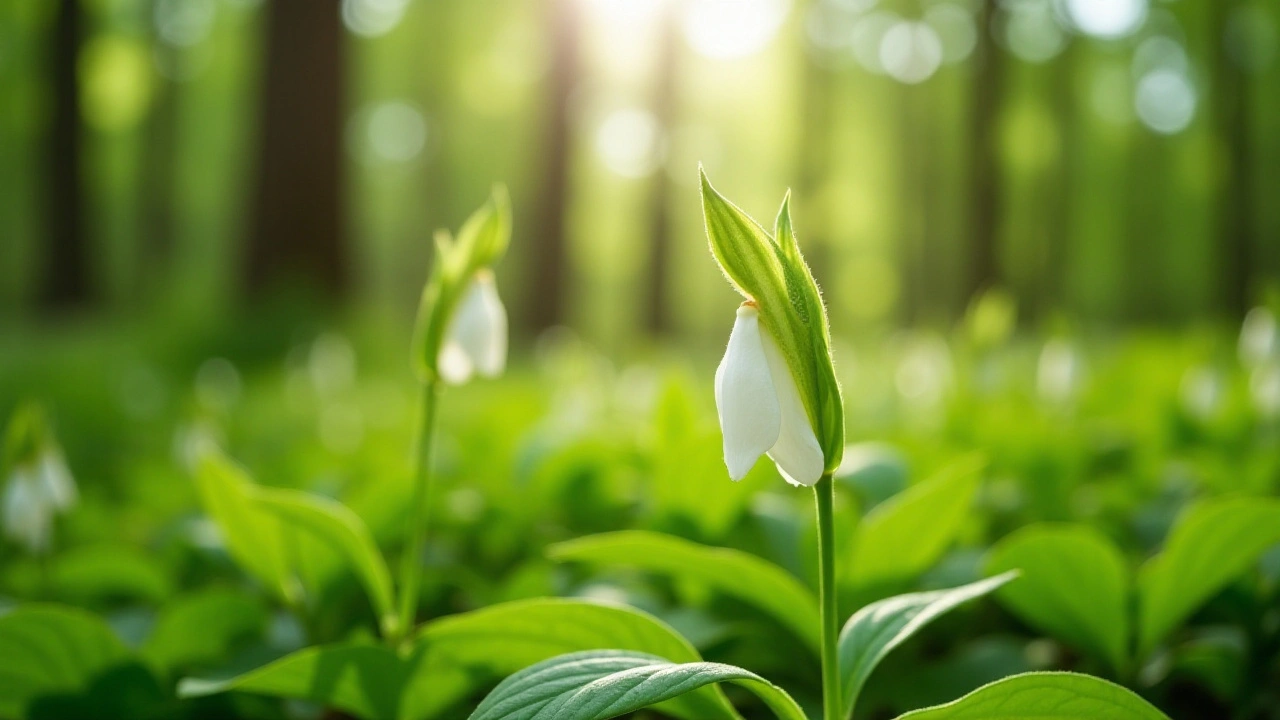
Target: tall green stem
(824, 495)
(419, 508)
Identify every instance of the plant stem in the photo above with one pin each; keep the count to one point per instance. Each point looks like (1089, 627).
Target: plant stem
(410, 562)
(824, 495)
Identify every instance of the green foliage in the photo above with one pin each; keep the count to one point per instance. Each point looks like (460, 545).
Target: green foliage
(50, 650)
(94, 575)
(331, 523)
(769, 270)
(732, 572)
(1045, 696)
(1212, 544)
(480, 243)
(201, 629)
(905, 535)
(605, 684)
(1074, 585)
(874, 631)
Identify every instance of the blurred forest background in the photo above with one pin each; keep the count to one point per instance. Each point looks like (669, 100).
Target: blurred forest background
(1110, 162)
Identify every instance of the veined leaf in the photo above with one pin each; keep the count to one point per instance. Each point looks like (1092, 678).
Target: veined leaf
(605, 684)
(1213, 543)
(875, 630)
(502, 639)
(50, 649)
(364, 680)
(906, 534)
(732, 572)
(1074, 586)
(1044, 696)
(332, 523)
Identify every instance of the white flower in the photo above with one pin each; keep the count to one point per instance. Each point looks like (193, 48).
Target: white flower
(476, 341)
(760, 406)
(35, 493)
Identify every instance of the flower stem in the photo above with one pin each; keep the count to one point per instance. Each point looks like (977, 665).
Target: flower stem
(416, 533)
(824, 495)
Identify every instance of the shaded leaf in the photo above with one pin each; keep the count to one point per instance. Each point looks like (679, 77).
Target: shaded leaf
(1044, 696)
(732, 572)
(875, 630)
(202, 629)
(48, 650)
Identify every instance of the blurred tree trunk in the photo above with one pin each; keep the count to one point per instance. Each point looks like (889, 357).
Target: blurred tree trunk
(657, 313)
(1055, 278)
(984, 181)
(1232, 107)
(298, 222)
(66, 270)
(158, 185)
(913, 197)
(548, 283)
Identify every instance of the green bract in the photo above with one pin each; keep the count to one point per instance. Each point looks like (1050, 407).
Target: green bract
(480, 243)
(769, 270)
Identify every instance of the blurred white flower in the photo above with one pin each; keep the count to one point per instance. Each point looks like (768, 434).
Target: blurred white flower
(476, 341)
(760, 407)
(36, 491)
(1264, 386)
(1058, 372)
(1259, 338)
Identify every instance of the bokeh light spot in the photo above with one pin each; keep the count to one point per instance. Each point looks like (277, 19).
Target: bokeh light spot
(1165, 101)
(730, 29)
(911, 52)
(1107, 19)
(628, 142)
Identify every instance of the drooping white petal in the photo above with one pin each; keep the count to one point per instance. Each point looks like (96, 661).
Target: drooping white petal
(476, 340)
(27, 515)
(56, 481)
(797, 452)
(750, 418)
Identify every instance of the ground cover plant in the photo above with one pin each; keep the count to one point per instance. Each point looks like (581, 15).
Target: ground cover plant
(615, 569)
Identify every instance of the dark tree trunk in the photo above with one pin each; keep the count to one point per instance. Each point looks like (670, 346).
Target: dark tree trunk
(546, 300)
(1232, 107)
(657, 315)
(157, 187)
(1054, 279)
(66, 271)
(298, 222)
(984, 181)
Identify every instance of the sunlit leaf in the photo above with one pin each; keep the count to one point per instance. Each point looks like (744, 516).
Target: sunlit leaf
(875, 630)
(598, 685)
(1044, 696)
(761, 584)
(1074, 586)
(1213, 543)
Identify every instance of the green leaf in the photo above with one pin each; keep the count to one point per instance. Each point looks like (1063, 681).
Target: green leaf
(604, 684)
(1044, 696)
(907, 534)
(93, 574)
(756, 582)
(875, 630)
(52, 650)
(203, 629)
(364, 680)
(504, 638)
(1074, 586)
(332, 523)
(1213, 543)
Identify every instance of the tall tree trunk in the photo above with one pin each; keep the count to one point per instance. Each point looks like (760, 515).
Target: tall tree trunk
(984, 181)
(657, 315)
(546, 301)
(1232, 107)
(1055, 276)
(66, 271)
(157, 186)
(298, 216)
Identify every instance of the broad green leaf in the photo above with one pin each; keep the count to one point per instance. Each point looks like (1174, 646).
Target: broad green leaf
(732, 572)
(598, 685)
(202, 629)
(332, 523)
(251, 534)
(875, 630)
(364, 680)
(1212, 544)
(1074, 586)
(1044, 696)
(502, 639)
(905, 535)
(50, 649)
(93, 574)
